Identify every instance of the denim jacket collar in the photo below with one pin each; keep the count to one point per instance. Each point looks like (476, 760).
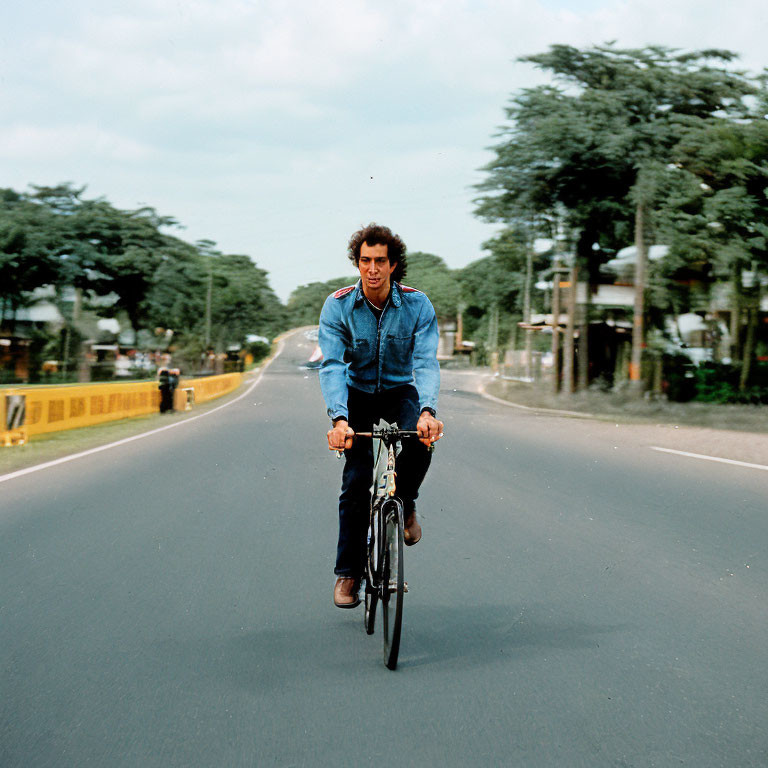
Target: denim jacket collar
(395, 295)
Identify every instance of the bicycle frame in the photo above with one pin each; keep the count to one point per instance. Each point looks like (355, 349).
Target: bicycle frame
(384, 503)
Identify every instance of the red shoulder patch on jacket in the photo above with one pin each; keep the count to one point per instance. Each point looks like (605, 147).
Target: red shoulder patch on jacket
(343, 291)
(408, 289)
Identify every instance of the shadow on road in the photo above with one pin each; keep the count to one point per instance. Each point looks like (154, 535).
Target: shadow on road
(281, 656)
(487, 634)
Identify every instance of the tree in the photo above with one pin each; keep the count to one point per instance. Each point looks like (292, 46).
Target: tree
(306, 301)
(595, 145)
(103, 250)
(490, 290)
(720, 222)
(126, 262)
(176, 298)
(237, 305)
(28, 259)
(430, 274)
(125, 251)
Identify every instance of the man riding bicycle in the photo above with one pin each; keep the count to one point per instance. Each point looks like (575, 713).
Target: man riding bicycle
(379, 343)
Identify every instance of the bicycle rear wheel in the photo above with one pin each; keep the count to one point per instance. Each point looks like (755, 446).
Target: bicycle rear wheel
(392, 582)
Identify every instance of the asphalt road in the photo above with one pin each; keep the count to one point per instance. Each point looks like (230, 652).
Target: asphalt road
(577, 600)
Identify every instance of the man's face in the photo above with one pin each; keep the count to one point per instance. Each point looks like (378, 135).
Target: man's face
(375, 269)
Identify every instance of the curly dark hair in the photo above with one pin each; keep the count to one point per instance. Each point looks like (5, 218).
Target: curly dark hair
(375, 234)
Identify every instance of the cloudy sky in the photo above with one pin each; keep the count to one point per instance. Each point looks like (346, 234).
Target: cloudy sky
(278, 127)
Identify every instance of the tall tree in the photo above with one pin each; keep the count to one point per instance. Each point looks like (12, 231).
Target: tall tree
(721, 220)
(430, 274)
(29, 235)
(306, 301)
(595, 142)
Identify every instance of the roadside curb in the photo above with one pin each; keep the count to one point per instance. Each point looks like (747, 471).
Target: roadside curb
(576, 414)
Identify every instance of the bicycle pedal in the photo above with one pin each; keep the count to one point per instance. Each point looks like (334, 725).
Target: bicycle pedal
(393, 586)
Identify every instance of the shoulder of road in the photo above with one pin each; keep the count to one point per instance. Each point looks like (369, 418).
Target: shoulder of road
(731, 434)
(628, 408)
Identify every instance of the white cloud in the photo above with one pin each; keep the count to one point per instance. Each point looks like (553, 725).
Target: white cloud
(207, 46)
(22, 142)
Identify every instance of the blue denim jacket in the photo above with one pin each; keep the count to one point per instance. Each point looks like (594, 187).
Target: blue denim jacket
(359, 352)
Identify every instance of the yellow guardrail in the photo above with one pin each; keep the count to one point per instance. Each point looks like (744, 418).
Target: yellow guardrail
(37, 410)
(210, 387)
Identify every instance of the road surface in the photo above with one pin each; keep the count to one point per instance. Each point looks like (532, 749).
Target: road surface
(578, 599)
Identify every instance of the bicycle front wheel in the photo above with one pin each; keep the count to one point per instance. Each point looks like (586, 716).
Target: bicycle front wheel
(392, 583)
(373, 568)
(371, 598)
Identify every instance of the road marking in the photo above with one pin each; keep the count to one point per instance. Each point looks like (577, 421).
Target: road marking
(72, 457)
(710, 458)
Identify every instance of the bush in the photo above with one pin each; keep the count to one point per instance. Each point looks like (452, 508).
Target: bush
(259, 350)
(679, 379)
(719, 383)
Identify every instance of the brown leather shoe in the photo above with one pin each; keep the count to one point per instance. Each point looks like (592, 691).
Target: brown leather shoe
(345, 593)
(411, 530)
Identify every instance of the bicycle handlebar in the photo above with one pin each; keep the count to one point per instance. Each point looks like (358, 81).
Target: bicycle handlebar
(382, 434)
(387, 435)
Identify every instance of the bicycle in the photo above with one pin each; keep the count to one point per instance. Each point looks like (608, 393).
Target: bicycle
(384, 580)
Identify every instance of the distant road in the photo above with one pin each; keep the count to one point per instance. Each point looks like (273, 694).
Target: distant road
(578, 599)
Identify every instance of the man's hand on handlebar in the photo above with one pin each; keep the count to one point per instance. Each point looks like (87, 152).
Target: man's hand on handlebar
(340, 437)
(429, 428)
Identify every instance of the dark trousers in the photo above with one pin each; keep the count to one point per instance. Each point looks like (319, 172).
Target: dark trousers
(166, 398)
(400, 405)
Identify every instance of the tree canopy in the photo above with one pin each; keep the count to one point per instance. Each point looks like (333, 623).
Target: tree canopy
(128, 263)
(651, 144)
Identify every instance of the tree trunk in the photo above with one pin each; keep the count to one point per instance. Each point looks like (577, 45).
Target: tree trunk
(556, 328)
(527, 308)
(65, 350)
(735, 324)
(12, 321)
(208, 302)
(510, 355)
(658, 374)
(459, 340)
(583, 357)
(568, 344)
(749, 348)
(638, 320)
(585, 254)
(493, 338)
